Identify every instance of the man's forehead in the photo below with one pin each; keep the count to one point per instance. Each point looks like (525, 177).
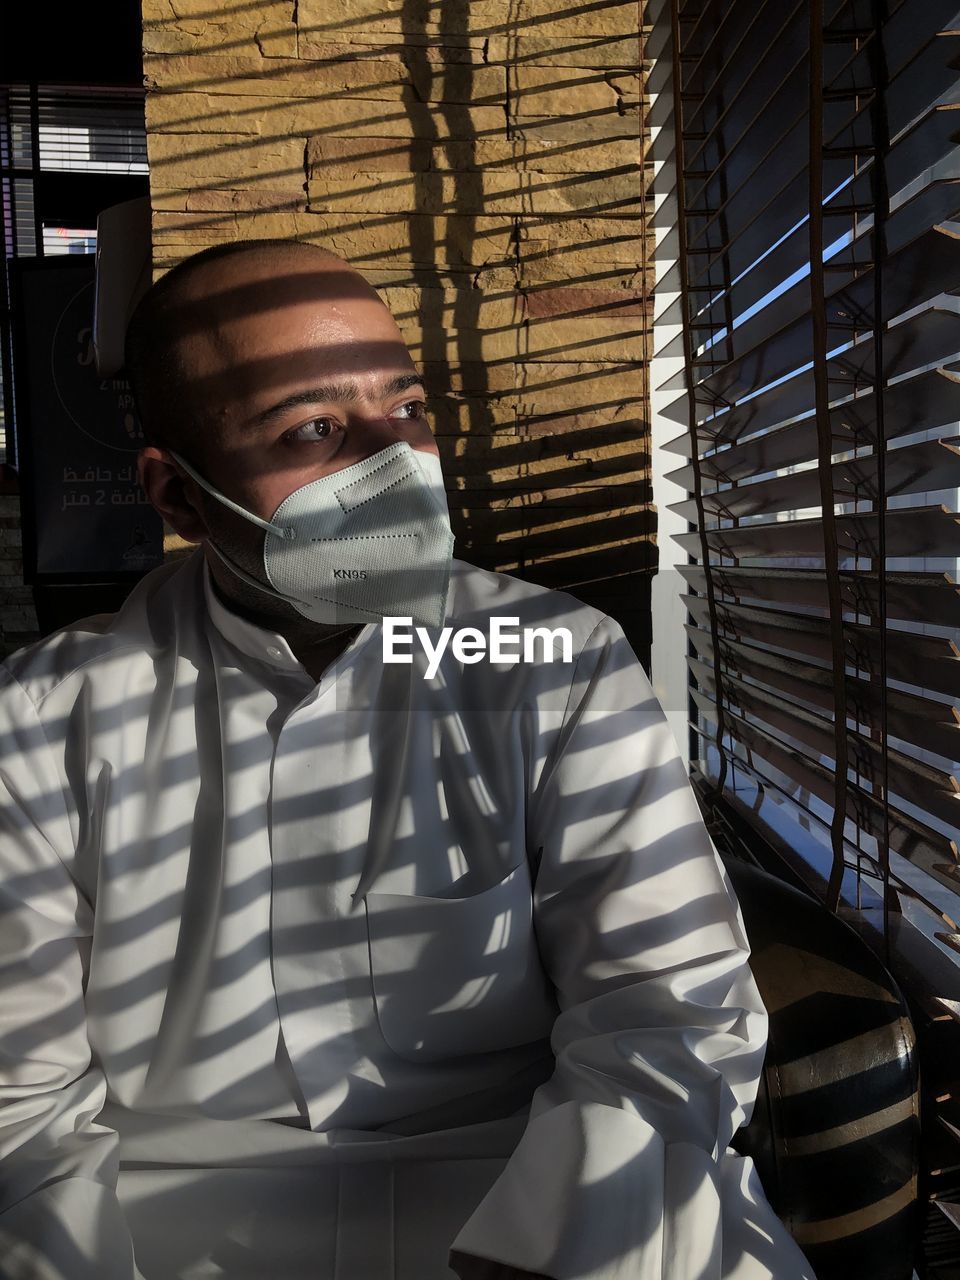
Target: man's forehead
(248, 286)
(260, 327)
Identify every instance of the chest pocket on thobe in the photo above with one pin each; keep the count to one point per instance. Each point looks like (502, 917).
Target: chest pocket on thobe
(455, 976)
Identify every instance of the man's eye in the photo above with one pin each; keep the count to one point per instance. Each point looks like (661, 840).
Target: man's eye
(411, 410)
(315, 429)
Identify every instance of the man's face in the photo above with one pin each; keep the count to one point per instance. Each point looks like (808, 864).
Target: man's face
(292, 369)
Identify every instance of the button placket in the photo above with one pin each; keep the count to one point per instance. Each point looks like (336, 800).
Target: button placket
(314, 923)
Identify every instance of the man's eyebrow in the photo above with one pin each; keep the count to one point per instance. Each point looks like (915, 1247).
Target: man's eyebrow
(335, 392)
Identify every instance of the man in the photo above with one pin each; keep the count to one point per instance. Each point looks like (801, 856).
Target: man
(319, 966)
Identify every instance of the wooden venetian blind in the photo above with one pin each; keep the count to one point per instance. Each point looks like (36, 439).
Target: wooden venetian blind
(817, 157)
(818, 181)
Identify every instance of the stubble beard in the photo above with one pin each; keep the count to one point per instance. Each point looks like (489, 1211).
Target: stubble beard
(262, 608)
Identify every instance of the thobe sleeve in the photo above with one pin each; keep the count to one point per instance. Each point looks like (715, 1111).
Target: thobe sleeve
(661, 1034)
(59, 1214)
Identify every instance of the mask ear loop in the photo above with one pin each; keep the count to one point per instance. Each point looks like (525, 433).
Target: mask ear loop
(282, 531)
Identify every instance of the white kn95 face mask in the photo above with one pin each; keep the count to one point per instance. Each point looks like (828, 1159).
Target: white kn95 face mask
(369, 542)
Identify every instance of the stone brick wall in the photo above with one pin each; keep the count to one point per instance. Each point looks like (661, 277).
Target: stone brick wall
(481, 162)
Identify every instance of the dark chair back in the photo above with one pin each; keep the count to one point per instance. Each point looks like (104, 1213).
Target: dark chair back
(835, 1131)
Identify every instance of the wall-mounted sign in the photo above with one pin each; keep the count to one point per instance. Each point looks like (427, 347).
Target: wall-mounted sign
(85, 517)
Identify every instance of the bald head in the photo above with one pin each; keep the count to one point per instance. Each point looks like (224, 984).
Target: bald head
(235, 324)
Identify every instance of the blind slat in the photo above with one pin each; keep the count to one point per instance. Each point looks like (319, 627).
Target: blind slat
(920, 468)
(913, 531)
(908, 595)
(926, 401)
(931, 789)
(916, 270)
(712, 48)
(922, 722)
(912, 839)
(932, 337)
(908, 653)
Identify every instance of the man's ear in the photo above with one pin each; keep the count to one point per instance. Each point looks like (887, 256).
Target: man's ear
(167, 490)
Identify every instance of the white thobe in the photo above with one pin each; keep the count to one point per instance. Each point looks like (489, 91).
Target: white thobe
(321, 979)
